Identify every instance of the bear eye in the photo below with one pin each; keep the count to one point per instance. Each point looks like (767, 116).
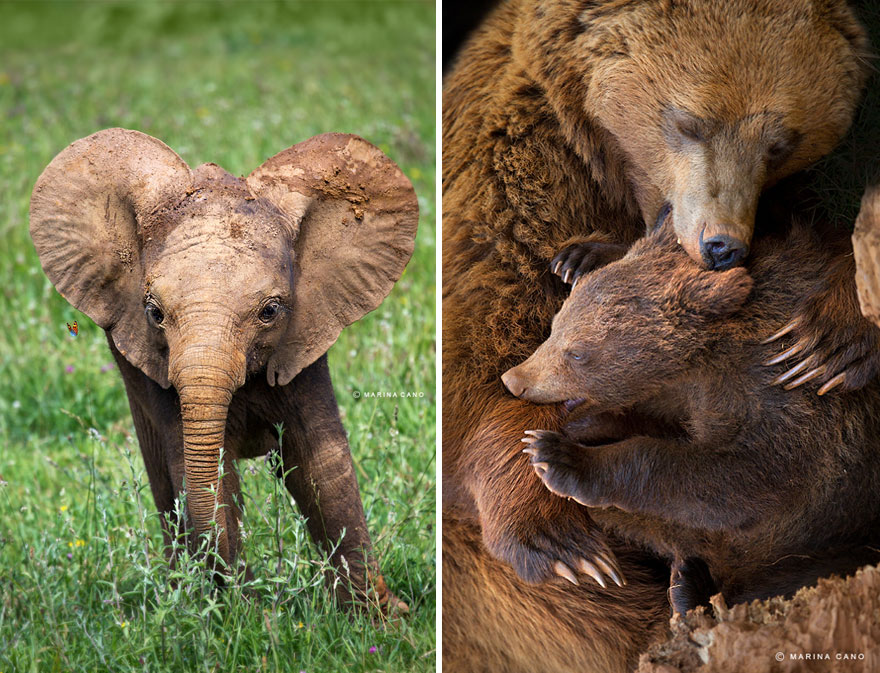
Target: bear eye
(154, 313)
(682, 128)
(781, 144)
(270, 311)
(688, 128)
(576, 356)
(777, 151)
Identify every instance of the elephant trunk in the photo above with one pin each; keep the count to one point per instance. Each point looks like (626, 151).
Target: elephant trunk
(205, 376)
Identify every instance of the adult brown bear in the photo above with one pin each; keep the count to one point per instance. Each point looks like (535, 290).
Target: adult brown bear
(565, 120)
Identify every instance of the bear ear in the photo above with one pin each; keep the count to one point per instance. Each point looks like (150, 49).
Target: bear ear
(842, 18)
(714, 294)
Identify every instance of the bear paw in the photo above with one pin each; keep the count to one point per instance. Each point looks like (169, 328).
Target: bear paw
(571, 547)
(690, 585)
(559, 542)
(579, 259)
(836, 354)
(562, 465)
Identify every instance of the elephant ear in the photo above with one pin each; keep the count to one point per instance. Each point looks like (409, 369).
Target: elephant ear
(354, 215)
(88, 209)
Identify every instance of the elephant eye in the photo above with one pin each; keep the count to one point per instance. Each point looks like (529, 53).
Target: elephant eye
(270, 311)
(154, 314)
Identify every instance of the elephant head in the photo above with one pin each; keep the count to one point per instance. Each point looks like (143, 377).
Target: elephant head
(201, 278)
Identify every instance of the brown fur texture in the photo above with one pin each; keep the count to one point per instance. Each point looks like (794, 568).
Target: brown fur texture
(529, 165)
(829, 628)
(762, 485)
(501, 623)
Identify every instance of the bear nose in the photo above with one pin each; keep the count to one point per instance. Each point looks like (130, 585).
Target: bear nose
(723, 252)
(515, 383)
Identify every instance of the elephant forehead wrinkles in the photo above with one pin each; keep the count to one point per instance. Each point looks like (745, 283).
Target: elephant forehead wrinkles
(208, 264)
(221, 243)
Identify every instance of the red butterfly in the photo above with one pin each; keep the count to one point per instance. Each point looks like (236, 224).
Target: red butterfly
(73, 329)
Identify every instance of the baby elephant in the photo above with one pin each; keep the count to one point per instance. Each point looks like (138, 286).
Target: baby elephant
(677, 440)
(220, 297)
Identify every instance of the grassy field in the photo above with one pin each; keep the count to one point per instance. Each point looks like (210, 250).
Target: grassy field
(83, 583)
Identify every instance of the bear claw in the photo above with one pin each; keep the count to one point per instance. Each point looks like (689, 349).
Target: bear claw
(834, 345)
(565, 572)
(578, 259)
(590, 569)
(809, 376)
(794, 324)
(794, 371)
(610, 567)
(836, 381)
(784, 355)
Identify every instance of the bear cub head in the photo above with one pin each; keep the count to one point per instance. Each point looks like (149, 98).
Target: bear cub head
(630, 328)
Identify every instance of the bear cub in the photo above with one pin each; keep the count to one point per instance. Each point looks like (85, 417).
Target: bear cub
(678, 441)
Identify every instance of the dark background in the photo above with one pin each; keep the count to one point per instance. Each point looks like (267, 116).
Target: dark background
(459, 19)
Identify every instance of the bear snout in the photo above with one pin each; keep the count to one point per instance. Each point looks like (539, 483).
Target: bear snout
(723, 252)
(515, 382)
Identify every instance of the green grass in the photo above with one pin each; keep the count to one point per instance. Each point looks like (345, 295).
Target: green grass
(83, 582)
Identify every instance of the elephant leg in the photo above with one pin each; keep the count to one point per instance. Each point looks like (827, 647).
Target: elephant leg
(145, 400)
(157, 466)
(319, 473)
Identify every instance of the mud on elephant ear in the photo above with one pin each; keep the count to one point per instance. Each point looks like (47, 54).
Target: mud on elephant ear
(355, 216)
(353, 212)
(87, 211)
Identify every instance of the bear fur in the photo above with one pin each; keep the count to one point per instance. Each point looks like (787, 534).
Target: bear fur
(684, 443)
(528, 166)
